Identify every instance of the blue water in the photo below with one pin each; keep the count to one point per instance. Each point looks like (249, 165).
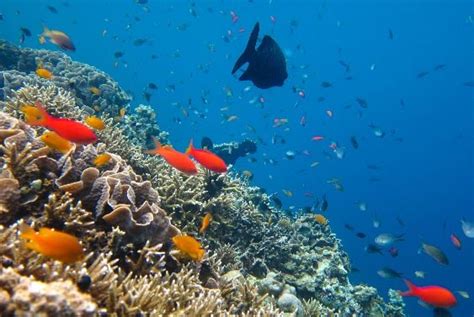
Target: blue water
(425, 159)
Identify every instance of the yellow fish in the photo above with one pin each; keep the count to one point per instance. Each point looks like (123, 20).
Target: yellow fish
(54, 141)
(44, 73)
(95, 122)
(102, 159)
(54, 244)
(287, 192)
(206, 221)
(189, 246)
(94, 90)
(321, 219)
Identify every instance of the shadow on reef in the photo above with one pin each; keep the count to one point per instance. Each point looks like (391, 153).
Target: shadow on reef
(258, 261)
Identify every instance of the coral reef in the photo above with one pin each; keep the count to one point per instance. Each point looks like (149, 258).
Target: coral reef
(259, 261)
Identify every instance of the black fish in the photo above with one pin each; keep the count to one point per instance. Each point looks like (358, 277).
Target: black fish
(469, 83)
(345, 65)
(25, 31)
(147, 96)
(422, 74)
(373, 248)
(441, 312)
(52, 9)
(362, 102)
(118, 54)
(354, 142)
(267, 65)
(152, 86)
(326, 84)
(349, 227)
(390, 34)
(361, 235)
(439, 67)
(324, 204)
(277, 201)
(139, 42)
(206, 143)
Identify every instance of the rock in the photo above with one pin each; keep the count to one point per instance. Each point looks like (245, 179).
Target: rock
(289, 303)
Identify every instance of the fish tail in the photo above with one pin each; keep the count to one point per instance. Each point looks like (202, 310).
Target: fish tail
(190, 147)
(157, 146)
(249, 50)
(46, 31)
(35, 115)
(411, 289)
(26, 231)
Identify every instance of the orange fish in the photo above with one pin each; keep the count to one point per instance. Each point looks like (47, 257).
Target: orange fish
(321, 219)
(102, 159)
(95, 122)
(58, 38)
(178, 160)
(54, 244)
(44, 73)
(455, 240)
(206, 220)
(436, 296)
(68, 129)
(189, 246)
(54, 141)
(207, 159)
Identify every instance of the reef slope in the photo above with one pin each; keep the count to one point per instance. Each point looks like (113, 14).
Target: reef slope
(258, 262)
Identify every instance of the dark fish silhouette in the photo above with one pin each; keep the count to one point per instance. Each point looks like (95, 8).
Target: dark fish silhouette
(267, 65)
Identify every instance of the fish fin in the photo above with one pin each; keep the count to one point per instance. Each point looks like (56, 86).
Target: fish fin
(249, 49)
(190, 147)
(411, 289)
(246, 75)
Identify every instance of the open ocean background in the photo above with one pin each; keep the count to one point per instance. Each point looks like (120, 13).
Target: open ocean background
(425, 159)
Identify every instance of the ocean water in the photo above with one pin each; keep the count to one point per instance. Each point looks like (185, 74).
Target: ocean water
(424, 161)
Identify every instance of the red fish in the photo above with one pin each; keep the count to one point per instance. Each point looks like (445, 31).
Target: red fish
(436, 296)
(207, 159)
(178, 160)
(68, 129)
(455, 240)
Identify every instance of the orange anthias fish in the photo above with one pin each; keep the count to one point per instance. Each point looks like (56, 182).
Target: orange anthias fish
(95, 122)
(68, 129)
(54, 244)
(189, 246)
(58, 38)
(436, 296)
(178, 160)
(207, 159)
(54, 141)
(102, 159)
(206, 221)
(44, 73)
(455, 241)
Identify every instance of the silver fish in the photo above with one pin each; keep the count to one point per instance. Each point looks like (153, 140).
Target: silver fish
(386, 239)
(387, 272)
(467, 228)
